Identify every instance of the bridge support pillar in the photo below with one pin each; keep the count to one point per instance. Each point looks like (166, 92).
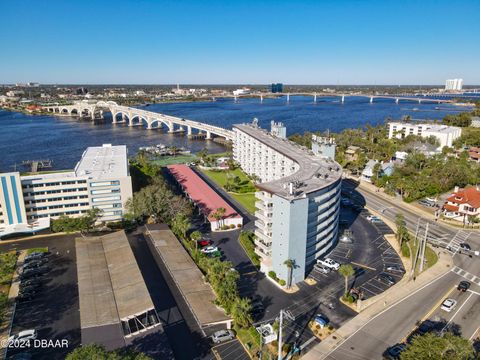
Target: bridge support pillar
(419, 101)
(315, 98)
(371, 99)
(343, 99)
(171, 127)
(213, 98)
(189, 130)
(209, 135)
(288, 97)
(261, 98)
(397, 100)
(235, 98)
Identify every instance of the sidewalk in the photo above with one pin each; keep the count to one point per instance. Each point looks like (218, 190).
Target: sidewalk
(370, 309)
(10, 312)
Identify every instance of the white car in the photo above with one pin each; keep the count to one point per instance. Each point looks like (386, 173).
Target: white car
(322, 268)
(23, 336)
(223, 335)
(372, 218)
(449, 304)
(209, 249)
(330, 263)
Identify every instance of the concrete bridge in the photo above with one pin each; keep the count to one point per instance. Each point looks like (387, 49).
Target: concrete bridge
(342, 97)
(139, 117)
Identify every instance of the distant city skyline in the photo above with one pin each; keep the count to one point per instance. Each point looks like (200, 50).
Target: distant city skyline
(250, 42)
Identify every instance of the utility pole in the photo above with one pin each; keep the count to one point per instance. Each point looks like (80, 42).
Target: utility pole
(424, 244)
(289, 315)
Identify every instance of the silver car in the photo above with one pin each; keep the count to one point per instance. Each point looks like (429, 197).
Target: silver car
(222, 335)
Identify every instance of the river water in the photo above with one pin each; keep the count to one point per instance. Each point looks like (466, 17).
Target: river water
(63, 139)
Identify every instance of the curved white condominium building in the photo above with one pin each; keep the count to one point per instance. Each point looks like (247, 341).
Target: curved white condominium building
(298, 202)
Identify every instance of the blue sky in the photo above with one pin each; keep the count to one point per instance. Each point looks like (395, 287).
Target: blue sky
(224, 42)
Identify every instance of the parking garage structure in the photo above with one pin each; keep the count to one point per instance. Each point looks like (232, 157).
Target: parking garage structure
(205, 198)
(115, 305)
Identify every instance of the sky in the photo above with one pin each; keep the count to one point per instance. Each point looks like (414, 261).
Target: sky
(333, 42)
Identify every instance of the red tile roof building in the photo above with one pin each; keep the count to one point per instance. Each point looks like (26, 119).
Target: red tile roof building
(204, 197)
(463, 203)
(474, 154)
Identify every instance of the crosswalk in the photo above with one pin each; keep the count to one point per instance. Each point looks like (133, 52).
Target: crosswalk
(465, 274)
(460, 237)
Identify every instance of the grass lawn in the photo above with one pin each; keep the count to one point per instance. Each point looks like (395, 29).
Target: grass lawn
(8, 262)
(430, 257)
(39, 249)
(177, 159)
(221, 177)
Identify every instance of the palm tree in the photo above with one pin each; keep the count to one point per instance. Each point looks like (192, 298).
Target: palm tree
(290, 264)
(346, 270)
(195, 236)
(241, 310)
(220, 212)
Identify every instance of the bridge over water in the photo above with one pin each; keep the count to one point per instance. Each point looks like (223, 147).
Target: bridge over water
(137, 117)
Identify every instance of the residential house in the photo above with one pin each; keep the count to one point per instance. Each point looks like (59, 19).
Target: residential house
(474, 154)
(462, 204)
(351, 154)
(386, 169)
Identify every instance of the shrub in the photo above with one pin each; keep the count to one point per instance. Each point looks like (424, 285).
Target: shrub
(232, 226)
(282, 282)
(247, 241)
(239, 226)
(224, 227)
(405, 250)
(273, 275)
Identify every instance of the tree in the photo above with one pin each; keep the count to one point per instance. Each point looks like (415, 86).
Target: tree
(195, 236)
(98, 352)
(290, 264)
(402, 231)
(180, 225)
(346, 270)
(433, 347)
(218, 215)
(241, 312)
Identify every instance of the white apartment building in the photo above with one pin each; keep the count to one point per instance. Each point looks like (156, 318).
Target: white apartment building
(100, 180)
(298, 202)
(454, 85)
(446, 135)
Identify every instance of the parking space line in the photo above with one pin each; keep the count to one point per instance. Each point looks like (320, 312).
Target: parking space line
(370, 291)
(364, 266)
(376, 287)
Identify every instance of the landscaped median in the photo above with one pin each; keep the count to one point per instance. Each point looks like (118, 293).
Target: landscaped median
(246, 239)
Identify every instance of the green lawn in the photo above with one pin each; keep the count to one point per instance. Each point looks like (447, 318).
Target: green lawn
(430, 257)
(247, 200)
(177, 159)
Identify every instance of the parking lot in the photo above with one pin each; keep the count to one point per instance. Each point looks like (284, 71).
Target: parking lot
(230, 350)
(54, 310)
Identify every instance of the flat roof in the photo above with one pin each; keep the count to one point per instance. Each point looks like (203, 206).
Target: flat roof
(103, 162)
(315, 173)
(198, 295)
(111, 287)
(201, 193)
(429, 126)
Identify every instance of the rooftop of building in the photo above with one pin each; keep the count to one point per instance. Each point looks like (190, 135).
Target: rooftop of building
(428, 126)
(469, 195)
(103, 162)
(315, 173)
(201, 193)
(111, 287)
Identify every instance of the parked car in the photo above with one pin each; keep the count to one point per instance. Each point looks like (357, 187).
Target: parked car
(214, 254)
(29, 273)
(393, 352)
(386, 278)
(34, 256)
(463, 286)
(322, 268)
(257, 307)
(209, 249)
(395, 269)
(465, 246)
(26, 296)
(449, 304)
(31, 288)
(372, 218)
(321, 320)
(203, 242)
(330, 263)
(222, 335)
(426, 202)
(34, 263)
(23, 336)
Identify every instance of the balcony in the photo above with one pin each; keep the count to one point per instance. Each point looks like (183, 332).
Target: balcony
(262, 236)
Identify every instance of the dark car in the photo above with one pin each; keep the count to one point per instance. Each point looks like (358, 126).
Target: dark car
(29, 273)
(465, 246)
(386, 278)
(29, 289)
(26, 296)
(463, 286)
(395, 268)
(30, 285)
(35, 256)
(35, 263)
(394, 352)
